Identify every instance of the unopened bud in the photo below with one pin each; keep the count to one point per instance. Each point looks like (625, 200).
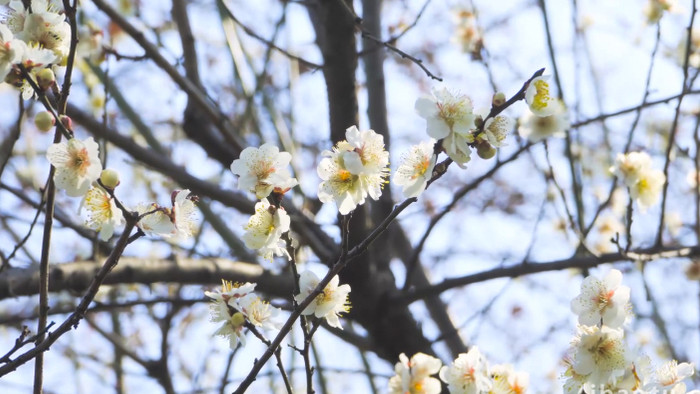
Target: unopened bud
(498, 99)
(485, 150)
(109, 178)
(44, 121)
(67, 121)
(45, 78)
(479, 121)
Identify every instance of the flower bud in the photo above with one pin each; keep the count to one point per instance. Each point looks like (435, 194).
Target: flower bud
(498, 99)
(238, 319)
(44, 121)
(67, 121)
(109, 178)
(479, 121)
(485, 150)
(45, 78)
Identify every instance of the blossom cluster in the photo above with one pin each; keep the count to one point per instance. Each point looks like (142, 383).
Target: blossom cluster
(599, 360)
(354, 169)
(234, 306)
(644, 182)
(263, 171)
(469, 373)
(36, 39)
(78, 169)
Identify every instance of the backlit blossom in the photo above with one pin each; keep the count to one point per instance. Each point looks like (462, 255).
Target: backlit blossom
(603, 301)
(50, 30)
(599, 352)
(507, 380)
(536, 128)
(183, 213)
(416, 169)
(330, 303)
(265, 228)
(356, 168)
(157, 222)
(103, 214)
(496, 130)
(446, 113)
(11, 51)
(631, 165)
(223, 309)
(669, 377)
(258, 312)
(468, 374)
(450, 118)
(262, 170)
(414, 376)
(364, 153)
(644, 183)
(467, 32)
(77, 165)
(647, 190)
(538, 96)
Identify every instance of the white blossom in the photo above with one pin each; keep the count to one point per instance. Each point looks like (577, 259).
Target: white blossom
(265, 229)
(157, 222)
(416, 169)
(539, 98)
(644, 182)
(506, 380)
(77, 165)
(11, 51)
(451, 118)
(183, 214)
(497, 128)
(414, 376)
(103, 214)
(330, 303)
(258, 312)
(536, 128)
(598, 353)
(669, 377)
(354, 169)
(468, 374)
(262, 170)
(603, 301)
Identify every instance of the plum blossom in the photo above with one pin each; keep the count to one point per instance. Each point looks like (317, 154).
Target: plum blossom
(599, 352)
(416, 169)
(258, 312)
(536, 128)
(644, 182)
(496, 130)
(451, 118)
(330, 303)
(357, 167)
(11, 51)
(468, 374)
(669, 377)
(414, 375)
(603, 301)
(262, 170)
(77, 165)
(506, 380)
(265, 228)
(103, 214)
(222, 309)
(178, 221)
(156, 220)
(538, 97)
